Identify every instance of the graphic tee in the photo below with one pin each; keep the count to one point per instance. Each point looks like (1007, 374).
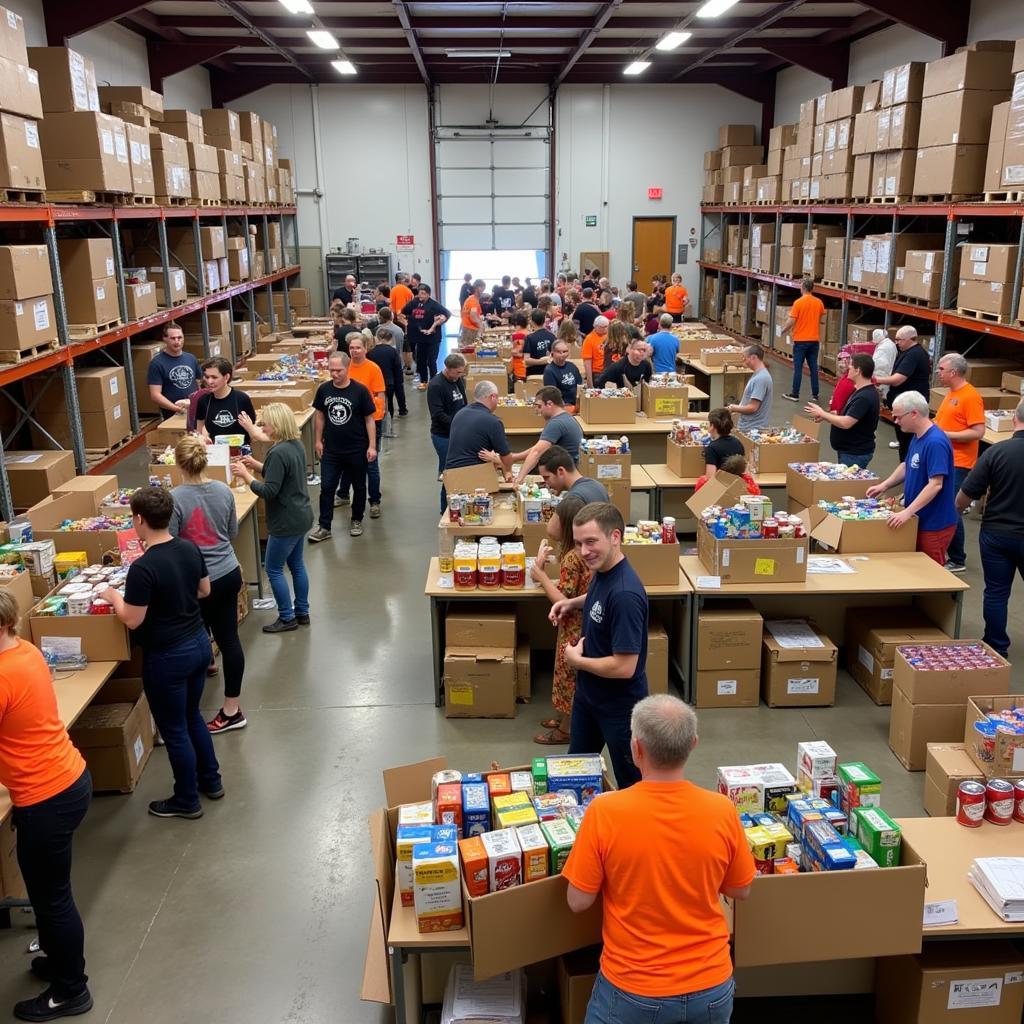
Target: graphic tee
(345, 411)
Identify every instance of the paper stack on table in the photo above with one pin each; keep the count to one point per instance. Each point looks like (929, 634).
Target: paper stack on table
(501, 999)
(1000, 880)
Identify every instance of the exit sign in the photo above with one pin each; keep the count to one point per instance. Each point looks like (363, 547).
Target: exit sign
(405, 242)
(654, 193)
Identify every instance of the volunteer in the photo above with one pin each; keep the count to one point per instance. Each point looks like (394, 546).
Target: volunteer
(50, 788)
(346, 294)
(884, 355)
(345, 443)
(630, 371)
(665, 937)
(472, 316)
(289, 513)
(477, 435)
(676, 299)
(466, 290)
(722, 445)
(844, 382)
(204, 513)
(173, 374)
(586, 313)
(755, 407)
(634, 295)
(852, 434)
(558, 471)
(805, 319)
(347, 326)
(1000, 473)
(593, 350)
(385, 354)
(927, 478)
(161, 605)
(563, 374)
(446, 395)
(961, 416)
(424, 318)
(366, 372)
(560, 427)
(573, 578)
(537, 345)
(611, 656)
(221, 407)
(665, 345)
(911, 371)
(401, 296)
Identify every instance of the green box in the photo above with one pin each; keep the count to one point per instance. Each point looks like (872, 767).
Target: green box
(858, 786)
(878, 834)
(560, 836)
(540, 775)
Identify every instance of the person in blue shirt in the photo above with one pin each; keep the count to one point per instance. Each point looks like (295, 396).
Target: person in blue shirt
(929, 490)
(562, 374)
(611, 656)
(665, 345)
(173, 374)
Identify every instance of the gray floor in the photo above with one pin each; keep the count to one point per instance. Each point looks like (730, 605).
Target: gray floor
(258, 912)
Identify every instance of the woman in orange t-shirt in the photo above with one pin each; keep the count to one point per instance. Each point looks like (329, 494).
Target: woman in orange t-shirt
(676, 298)
(518, 323)
(50, 788)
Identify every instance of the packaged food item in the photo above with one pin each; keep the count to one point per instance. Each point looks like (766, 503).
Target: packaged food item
(446, 775)
(513, 810)
(521, 782)
(859, 786)
(998, 802)
(449, 805)
(504, 859)
(539, 770)
(474, 865)
(815, 759)
(498, 784)
(548, 806)
(878, 834)
(971, 799)
(574, 815)
(831, 471)
(743, 786)
(581, 774)
(560, 836)
(407, 839)
(535, 852)
(476, 809)
(437, 887)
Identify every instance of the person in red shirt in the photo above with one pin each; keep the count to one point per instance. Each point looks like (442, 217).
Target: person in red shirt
(666, 938)
(844, 384)
(804, 321)
(50, 789)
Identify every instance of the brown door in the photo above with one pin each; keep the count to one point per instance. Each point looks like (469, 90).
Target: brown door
(653, 241)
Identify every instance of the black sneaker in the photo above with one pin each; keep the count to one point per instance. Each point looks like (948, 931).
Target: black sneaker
(952, 566)
(791, 398)
(47, 1006)
(281, 626)
(302, 620)
(225, 723)
(169, 809)
(40, 967)
(213, 794)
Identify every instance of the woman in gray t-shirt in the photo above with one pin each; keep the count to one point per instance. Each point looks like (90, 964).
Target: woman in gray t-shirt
(204, 513)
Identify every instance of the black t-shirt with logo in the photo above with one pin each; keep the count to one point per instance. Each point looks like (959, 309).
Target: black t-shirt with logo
(220, 415)
(504, 300)
(537, 346)
(345, 411)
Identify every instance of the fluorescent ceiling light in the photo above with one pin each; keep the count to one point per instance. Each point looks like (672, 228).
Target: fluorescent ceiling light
(478, 53)
(672, 40)
(638, 67)
(297, 6)
(323, 39)
(344, 67)
(713, 8)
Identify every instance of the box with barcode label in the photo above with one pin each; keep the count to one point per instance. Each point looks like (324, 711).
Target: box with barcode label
(796, 670)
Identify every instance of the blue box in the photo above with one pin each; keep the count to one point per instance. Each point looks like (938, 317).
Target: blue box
(476, 809)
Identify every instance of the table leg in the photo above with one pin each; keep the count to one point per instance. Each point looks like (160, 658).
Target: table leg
(257, 553)
(397, 958)
(696, 602)
(437, 647)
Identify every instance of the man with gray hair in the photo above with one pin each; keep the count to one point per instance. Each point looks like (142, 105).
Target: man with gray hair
(665, 345)
(927, 478)
(1000, 472)
(666, 939)
(477, 435)
(911, 371)
(962, 417)
(755, 407)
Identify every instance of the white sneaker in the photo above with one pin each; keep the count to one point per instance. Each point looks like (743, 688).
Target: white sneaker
(894, 444)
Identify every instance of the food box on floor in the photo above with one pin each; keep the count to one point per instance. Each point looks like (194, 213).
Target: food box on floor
(479, 683)
(616, 409)
(798, 676)
(577, 973)
(728, 688)
(657, 565)
(996, 748)
(953, 685)
(115, 735)
(657, 659)
(34, 476)
(734, 560)
(946, 766)
(913, 726)
(855, 536)
(979, 982)
(729, 636)
(481, 629)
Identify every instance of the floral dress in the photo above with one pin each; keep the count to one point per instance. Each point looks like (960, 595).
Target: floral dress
(573, 580)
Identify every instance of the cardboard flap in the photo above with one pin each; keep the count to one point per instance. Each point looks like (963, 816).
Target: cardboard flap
(480, 653)
(376, 986)
(49, 514)
(826, 653)
(721, 489)
(410, 783)
(828, 530)
(467, 479)
(808, 426)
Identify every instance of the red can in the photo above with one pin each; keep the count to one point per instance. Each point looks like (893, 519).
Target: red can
(770, 529)
(1018, 800)
(970, 804)
(999, 802)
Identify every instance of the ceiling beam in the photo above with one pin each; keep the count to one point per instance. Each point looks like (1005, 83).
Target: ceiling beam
(589, 36)
(166, 59)
(67, 18)
(410, 35)
(945, 20)
(831, 61)
(239, 14)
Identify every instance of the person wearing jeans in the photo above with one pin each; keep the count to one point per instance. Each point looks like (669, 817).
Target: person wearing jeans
(805, 319)
(161, 604)
(446, 395)
(852, 428)
(665, 954)
(282, 551)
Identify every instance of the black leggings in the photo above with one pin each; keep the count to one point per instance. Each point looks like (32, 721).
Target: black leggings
(220, 615)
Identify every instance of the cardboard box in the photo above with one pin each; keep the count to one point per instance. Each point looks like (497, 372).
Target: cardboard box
(949, 687)
(951, 981)
(685, 461)
(20, 588)
(985, 297)
(483, 629)
(959, 118)
(140, 158)
(806, 493)
(657, 659)
(24, 324)
(19, 89)
(152, 101)
(34, 476)
(606, 410)
(728, 688)
(170, 165)
(84, 260)
(99, 487)
(24, 272)
(664, 402)
(950, 170)
(86, 150)
(67, 80)
(577, 973)
(481, 684)
(946, 766)
(996, 147)
(606, 468)
(732, 135)
(752, 561)
(102, 637)
(93, 304)
(12, 37)
(854, 536)
(774, 458)
(988, 263)
(657, 565)
(969, 69)
(21, 159)
(729, 636)
(1001, 756)
(100, 388)
(115, 735)
(47, 516)
(798, 676)
(140, 300)
(913, 726)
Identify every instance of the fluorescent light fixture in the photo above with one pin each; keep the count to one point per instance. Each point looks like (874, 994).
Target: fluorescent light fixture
(297, 6)
(672, 40)
(713, 8)
(323, 38)
(638, 67)
(494, 54)
(344, 67)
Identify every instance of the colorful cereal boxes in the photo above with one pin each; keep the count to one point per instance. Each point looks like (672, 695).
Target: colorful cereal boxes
(535, 852)
(560, 837)
(504, 859)
(437, 890)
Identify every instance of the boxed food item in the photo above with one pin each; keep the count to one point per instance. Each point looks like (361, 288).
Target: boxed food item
(407, 838)
(475, 867)
(536, 852)
(878, 834)
(504, 859)
(560, 837)
(949, 672)
(994, 734)
(859, 786)
(437, 889)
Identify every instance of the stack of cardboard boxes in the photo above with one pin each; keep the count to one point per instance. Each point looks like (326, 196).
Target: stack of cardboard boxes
(102, 399)
(885, 134)
(920, 276)
(728, 656)
(797, 155)
(813, 264)
(986, 280)
(27, 317)
(485, 667)
(90, 287)
(875, 257)
(832, 150)
(769, 188)
(21, 161)
(762, 247)
(1004, 170)
(731, 172)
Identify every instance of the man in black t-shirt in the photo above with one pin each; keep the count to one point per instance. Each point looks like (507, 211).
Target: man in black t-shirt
(218, 410)
(345, 443)
(425, 317)
(537, 346)
(466, 290)
(912, 371)
(504, 298)
(853, 430)
(529, 295)
(347, 293)
(477, 435)
(628, 372)
(586, 312)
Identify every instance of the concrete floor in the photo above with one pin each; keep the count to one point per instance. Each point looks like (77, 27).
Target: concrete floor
(258, 912)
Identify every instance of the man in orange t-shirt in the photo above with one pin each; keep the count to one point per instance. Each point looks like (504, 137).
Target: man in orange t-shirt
(472, 315)
(401, 296)
(961, 417)
(676, 299)
(367, 373)
(665, 937)
(593, 350)
(805, 317)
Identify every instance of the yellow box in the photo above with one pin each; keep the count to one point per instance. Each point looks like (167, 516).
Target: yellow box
(65, 561)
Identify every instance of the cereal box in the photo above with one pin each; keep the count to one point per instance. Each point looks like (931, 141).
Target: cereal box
(513, 810)
(560, 837)
(859, 786)
(521, 782)
(548, 806)
(579, 774)
(476, 809)
(438, 779)
(437, 889)
(416, 814)
(878, 834)
(504, 859)
(743, 787)
(498, 784)
(474, 865)
(815, 759)
(574, 815)
(448, 805)
(540, 775)
(777, 783)
(535, 852)
(406, 839)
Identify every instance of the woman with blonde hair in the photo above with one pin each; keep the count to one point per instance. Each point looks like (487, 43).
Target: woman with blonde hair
(204, 513)
(289, 513)
(617, 343)
(568, 332)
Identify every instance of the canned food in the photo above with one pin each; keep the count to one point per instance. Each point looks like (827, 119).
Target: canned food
(999, 802)
(1018, 800)
(970, 804)
(770, 529)
(668, 530)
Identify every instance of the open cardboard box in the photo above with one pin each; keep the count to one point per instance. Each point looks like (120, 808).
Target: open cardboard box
(606, 468)
(734, 560)
(613, 409)
(1004, 756)
(854, 536)
(47, 516)
(669, 401)
(98, 487)
(101, 637)
(806, 493)
(774, 458)
(685, 460)
(722, 489)
(467, 479)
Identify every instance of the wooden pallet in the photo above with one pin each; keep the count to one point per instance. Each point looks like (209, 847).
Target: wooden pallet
(833, 284)
(910, 300)
(172, 201)
(86, 196)
(203, 202)
(134, 200)
(791, 277)
(983, 316)
(943, 199)
(1004, 197)
(20, 355)
(887, 200)
(94, 456)
(79, 331)
(22, 196)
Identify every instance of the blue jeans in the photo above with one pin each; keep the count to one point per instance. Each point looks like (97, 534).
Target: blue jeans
(441, 447)
(372, 473)
(612, 1005)
(1002, 558)
(805, 350)
(333, 469)
(173, 680)
(956, 552)
(591, 728)
(283, 551)
(849, 459)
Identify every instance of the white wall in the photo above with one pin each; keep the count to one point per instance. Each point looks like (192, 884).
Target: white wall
(873, 55)
(996, 19)
(793, 85)
(189, 90)
(32, 12)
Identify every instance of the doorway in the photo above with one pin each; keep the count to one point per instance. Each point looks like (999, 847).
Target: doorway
(654, 243)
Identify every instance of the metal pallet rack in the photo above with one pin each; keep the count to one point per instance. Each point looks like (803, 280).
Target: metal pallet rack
(110, 220)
